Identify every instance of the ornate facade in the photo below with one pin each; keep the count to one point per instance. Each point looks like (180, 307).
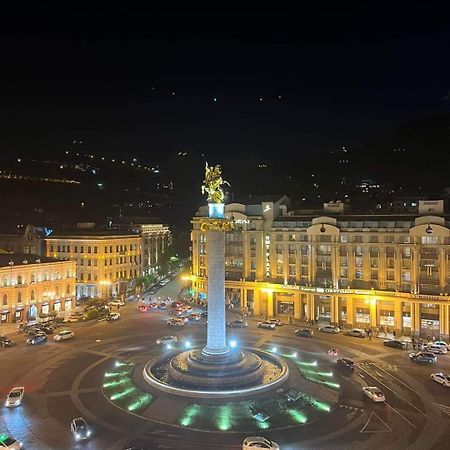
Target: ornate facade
(355, 270)
(32, 286)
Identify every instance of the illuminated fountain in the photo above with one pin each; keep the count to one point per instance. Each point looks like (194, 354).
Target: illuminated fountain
(216, 369)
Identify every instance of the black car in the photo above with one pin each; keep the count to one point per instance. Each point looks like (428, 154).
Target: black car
(345, 364)
(237, 324)
(395, 343)
(423, 357)
(39, 338)
(5, 341)
(304, 332)
(204, 314)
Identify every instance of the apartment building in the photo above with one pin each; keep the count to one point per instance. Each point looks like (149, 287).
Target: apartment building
(33, 285)
(355, 270)
(107, 261)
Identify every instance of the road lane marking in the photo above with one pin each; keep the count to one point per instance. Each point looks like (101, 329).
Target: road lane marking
(372, 414)
(401, 415)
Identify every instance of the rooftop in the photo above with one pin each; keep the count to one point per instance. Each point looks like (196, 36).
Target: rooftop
(19, 259)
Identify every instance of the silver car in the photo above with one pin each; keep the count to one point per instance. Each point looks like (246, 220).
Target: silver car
(329, 329)
(15, 397)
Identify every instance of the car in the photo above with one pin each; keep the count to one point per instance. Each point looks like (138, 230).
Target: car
(237, 324)
(188, 309)
(277, 322)
(176, 305)
(356, 332)
(113, 316)
(15, 396)
(304, 332)
(38, 338)
(423, 357)
(75, 317)
(329, 329)
(143, 308)
(442, 344)
(441, 378)
(162, 306)
(8, 442)
(5, 341)
(116, 302)
(80, 429)
(258, 442)
(47, 329)
(32, 330)
(195, 316)
(438, 349)
(64, 335)
(153, 305)
(166, 340)
(374, 393)
(176, 322)
(268, 325)
(395, 343)
(204, 314)
(345, 364)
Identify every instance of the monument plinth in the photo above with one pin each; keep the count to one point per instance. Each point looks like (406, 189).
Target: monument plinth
(216, 369)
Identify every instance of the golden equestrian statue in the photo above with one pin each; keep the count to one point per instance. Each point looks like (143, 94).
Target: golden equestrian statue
(212, 184)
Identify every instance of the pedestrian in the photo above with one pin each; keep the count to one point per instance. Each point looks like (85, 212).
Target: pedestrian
(118, 307)
(434, 338)
(394, 334)
(290, 320)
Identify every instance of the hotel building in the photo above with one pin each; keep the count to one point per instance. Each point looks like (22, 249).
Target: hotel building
(107, 260)
(354, 270)
(32, 286)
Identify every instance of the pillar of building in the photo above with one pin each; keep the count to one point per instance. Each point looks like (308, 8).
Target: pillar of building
(415, 318)
(243, 298)
(297, 306)
(398, 317)
(334, 310)
(310, 315)
(269, 310)
(373, 313)
(216, 334)
(444, 326)
(350, 312)
(256, 301)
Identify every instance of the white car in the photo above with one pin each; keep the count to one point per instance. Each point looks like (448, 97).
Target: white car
(15, 397)
(176, 322)
(441, 344)
(255, 442)
(277, 322)
(75, 317)
(113, 316)
(441, 378)
(374, 393)
(438, 349)
(329, 329)
(166, 340)
(8, 442)
(116, 303)
(267, 325)
(80, 429)
(63, 335)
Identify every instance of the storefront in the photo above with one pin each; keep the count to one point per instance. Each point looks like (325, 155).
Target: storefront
(68, 305)
(429, 320)
(284, 303)
(18, 314)
(362, 317)
(322, 307)
(4, 316)
(45, 308)
(32, 312)
(387, 319)
(57, 306)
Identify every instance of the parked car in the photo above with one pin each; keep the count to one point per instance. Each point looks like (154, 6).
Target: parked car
(304, 332)
(374, 393)
(329, 329)
(438, 349)
(195, 316)
(143, 308)
(268, 325)
(277, 322)
(175, 322)
(15, 397)
(9, 443)
(426, 357)
(442, 344)
(80, 429)
(441, 378)
(166, 340)
(113, 316)
(237, 324)
(395, 343)
(356, 332)
(5, 341)
(116, 302)
(162, 306)
(346, 365)
(39, 338)
(64, 335)
(258, 442)
(75, 317)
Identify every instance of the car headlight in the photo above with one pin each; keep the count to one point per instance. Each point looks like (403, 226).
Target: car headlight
(89, 433)
(77, 435)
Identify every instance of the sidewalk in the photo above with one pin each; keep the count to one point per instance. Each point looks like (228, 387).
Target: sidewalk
(9, 329)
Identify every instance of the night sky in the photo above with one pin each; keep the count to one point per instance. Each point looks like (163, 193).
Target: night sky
(148, 82)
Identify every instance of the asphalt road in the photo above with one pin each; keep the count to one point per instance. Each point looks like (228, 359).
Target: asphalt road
(63, 380)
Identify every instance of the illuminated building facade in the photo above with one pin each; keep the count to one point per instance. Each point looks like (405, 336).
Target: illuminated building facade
(32, 286)
(107, 261)
(354, 270)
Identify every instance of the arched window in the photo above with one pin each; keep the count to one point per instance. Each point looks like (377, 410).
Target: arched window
(32, 278)
(19, 279)
(19, 297)
(68, 273)
(5, 300)
(68, 289)
(57, 291)
(45, 276)
(32, 295)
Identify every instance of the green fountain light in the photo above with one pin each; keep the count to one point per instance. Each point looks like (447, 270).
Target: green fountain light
(122, 394)
(297, 416)
(189, 415)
